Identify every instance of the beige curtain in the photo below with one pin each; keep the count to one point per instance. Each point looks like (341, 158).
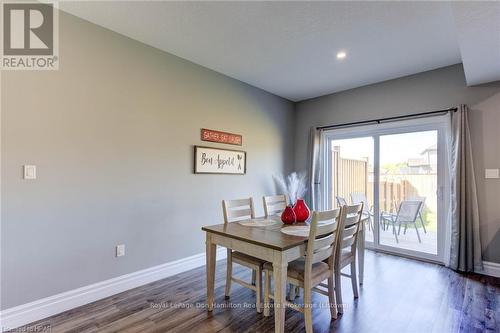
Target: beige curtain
(465, 252)
(314, 169)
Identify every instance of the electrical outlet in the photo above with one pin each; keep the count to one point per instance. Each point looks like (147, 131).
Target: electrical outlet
(120, 250)
(491, 174)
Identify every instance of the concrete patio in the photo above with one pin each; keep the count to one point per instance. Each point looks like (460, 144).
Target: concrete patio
(408, 241)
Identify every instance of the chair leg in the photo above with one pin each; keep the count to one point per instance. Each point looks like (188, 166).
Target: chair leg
(394, 232)
(291, 292)
(338, 292)
(258, 285)
(254, 277)
(418, 235)
(399, 229)
(406, 227)
(308, 309)
(354, 279)
(229, 273)
(331, 297)
(267, 286)
(422, 221)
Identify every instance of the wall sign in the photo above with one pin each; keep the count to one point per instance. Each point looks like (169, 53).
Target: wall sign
(221, 137)
(217, 160)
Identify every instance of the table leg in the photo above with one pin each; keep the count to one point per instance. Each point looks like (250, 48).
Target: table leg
(361, 252)
(280, 266)
(210, 258)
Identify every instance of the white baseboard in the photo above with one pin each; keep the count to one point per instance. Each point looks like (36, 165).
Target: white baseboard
(49, 306)
(491, 269)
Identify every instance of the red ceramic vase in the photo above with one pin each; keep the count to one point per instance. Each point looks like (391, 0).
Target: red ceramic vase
(301, 211)
(288, 215)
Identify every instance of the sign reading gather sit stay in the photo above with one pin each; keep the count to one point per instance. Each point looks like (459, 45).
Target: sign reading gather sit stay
(216, 160)
(221, 137)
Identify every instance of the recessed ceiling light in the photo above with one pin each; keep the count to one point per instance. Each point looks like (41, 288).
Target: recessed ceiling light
(341, 55)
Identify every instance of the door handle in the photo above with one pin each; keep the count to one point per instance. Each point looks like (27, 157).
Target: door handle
(439, 193)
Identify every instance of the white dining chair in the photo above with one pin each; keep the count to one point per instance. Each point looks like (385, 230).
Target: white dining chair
(317, 265)
(345, 253)
(234, 211)
(274, 204)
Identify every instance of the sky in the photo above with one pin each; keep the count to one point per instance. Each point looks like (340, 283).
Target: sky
(394, 148)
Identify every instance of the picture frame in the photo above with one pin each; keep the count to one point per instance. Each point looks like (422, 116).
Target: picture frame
(211, 160)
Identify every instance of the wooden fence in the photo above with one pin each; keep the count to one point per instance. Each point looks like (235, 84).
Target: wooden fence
(396, 188)
(348, 176)
(351, 175)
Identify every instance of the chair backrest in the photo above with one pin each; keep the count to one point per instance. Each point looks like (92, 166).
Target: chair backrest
(274, 204)
(238, 210)
(418, 198)
(360, 197)
(322, 237)
(350, 221)
(341, 201)
(408, 211)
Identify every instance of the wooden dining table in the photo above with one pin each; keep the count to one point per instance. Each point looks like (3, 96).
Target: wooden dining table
(267, 243)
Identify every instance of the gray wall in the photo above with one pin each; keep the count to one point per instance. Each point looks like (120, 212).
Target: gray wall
(111, 133)
(433, 90)
(484, 127)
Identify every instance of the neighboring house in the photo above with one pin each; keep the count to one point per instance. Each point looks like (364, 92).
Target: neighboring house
(425, 164)
(418, 166)
(430, 155)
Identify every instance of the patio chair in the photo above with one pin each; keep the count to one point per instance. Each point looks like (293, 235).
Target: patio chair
(421, 211)
(341, 201)
(360, 197)
(407, 214)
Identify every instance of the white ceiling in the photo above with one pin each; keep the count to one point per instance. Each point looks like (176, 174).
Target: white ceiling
(289, 48)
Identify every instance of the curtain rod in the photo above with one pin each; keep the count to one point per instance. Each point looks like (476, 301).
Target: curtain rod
(396, 118)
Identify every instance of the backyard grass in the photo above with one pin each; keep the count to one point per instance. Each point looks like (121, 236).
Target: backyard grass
(430, 220)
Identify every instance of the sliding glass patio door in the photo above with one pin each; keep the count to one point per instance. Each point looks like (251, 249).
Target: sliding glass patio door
(352, 174)
(398, 171)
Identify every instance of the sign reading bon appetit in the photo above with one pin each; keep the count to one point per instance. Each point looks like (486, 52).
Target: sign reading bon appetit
(219, 161)
(221, 137)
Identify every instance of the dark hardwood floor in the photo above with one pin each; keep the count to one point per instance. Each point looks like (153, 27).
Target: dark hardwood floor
(399, 295)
